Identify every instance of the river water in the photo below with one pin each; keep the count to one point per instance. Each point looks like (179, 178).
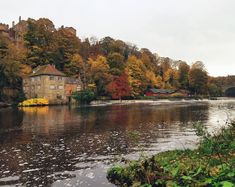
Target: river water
(74, 146)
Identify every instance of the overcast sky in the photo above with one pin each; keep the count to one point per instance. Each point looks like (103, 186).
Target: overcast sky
(187, 30)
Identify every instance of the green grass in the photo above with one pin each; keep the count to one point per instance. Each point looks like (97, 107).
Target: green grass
(212, 164)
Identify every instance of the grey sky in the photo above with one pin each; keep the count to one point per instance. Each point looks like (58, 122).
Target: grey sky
(189, 30)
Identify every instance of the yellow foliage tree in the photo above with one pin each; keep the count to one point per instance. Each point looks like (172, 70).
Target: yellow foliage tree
(159, 82)
(99, 70)
(151, 78)
(136, 72)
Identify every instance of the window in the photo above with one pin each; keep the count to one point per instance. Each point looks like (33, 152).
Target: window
(36, 78)
(52, 78)
(60, 78)
(32, 79)
(60, 87)
(52, 87)
(59, 96)
(79, 88)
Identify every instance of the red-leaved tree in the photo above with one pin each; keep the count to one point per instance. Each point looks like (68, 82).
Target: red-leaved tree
(119, 87)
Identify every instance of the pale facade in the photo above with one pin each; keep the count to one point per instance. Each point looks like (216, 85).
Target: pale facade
(47, 82)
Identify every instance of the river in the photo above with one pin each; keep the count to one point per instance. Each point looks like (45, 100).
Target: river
(74, 146)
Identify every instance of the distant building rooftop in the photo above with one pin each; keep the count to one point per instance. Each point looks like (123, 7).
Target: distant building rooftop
(46, 70)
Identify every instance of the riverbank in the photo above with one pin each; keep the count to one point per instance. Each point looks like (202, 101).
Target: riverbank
(4, 105)
(102, 102)
(212, 164)
(157, 101)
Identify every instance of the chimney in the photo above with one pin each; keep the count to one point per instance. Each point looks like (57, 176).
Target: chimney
(19, 19)
(13, 24)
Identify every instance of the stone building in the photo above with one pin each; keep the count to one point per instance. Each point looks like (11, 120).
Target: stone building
(16, 32)
(71, 30)
(4, 29)
(48, 82)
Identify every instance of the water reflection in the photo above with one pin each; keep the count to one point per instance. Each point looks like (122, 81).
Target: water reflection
(10, 118)
(75, 146)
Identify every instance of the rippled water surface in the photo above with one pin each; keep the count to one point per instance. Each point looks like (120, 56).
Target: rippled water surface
(62, 146)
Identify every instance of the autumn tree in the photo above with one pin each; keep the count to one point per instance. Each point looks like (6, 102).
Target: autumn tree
(106, 45)
(136, 76)
(184, 75)
(152, 80)
(198, 78)
(66, 45)
(11, 67)
(149, 59)
(165, 64)
(84, 50)
(116, 63)
(99, 70)
(119, 87)
(99, 63)
(75, 66)
(38, 40)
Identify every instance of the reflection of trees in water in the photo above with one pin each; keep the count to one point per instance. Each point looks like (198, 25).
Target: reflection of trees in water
(130, 117)
(10, 117)
(59, 138)
(11, 120)
(61, 120)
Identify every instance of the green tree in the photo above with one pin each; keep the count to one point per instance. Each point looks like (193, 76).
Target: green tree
(75, 66)
(11, 58)
(214, 90)
(106, 45)
(116, 63)
(39, 40)
(184, 75)
(65, 46)
(198, 78)
(84, 96)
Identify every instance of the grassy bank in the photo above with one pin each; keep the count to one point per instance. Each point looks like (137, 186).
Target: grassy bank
(212, 164)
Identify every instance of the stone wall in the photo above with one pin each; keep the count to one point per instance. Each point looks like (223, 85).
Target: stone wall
(57, 89)
(45, 86)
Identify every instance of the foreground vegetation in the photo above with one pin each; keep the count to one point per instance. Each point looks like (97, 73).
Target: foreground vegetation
(212, 164)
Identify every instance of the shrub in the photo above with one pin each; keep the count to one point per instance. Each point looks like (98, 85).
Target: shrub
(84, 96)
(212, 164)
(34, 102)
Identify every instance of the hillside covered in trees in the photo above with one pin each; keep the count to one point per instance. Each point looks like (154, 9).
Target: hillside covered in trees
(110, 66)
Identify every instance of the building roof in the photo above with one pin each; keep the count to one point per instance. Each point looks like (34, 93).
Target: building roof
(161, 91)
(46, 70)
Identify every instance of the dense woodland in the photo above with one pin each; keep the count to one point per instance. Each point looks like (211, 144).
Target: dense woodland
(110, 66)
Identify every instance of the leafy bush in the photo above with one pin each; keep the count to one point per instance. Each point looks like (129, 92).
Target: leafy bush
(34, 102)
(84, 96)
(212, 164)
